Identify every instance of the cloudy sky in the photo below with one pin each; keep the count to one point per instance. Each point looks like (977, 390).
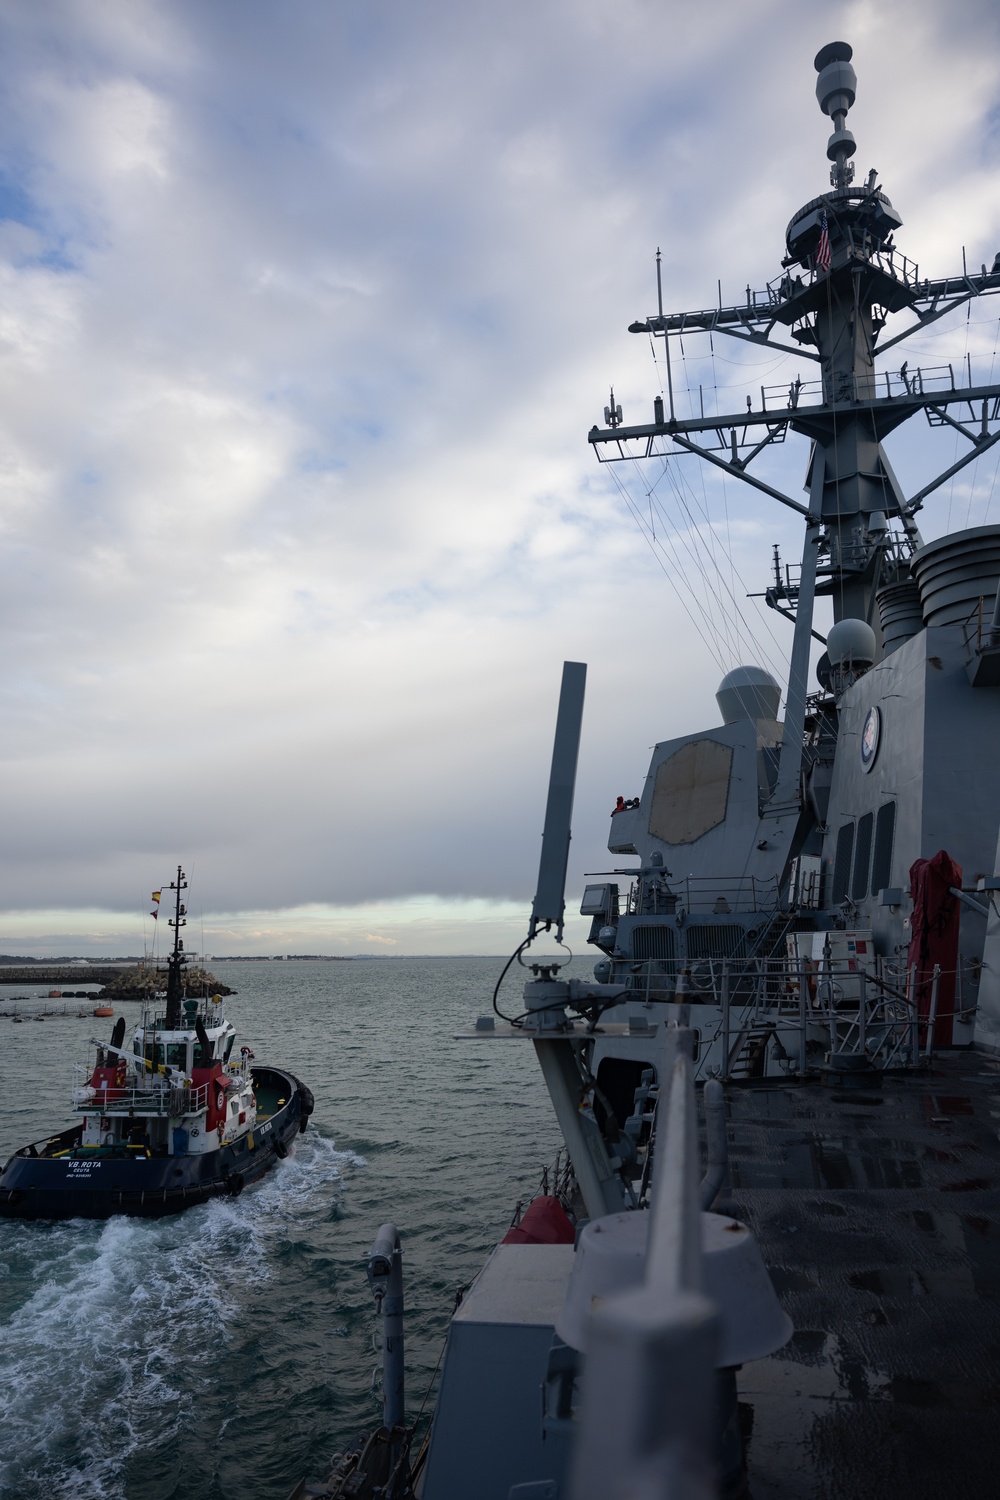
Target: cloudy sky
(305, 311)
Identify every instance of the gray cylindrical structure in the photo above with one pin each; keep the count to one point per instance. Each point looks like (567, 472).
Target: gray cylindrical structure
(899, 612)
(955, 572)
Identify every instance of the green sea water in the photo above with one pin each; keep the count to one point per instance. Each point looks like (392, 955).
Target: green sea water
(223, 1353)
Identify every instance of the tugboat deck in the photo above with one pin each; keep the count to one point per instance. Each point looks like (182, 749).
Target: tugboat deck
(269, 1099)
(878, 1214)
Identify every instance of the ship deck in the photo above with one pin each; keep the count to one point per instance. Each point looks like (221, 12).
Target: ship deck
(878, 1212)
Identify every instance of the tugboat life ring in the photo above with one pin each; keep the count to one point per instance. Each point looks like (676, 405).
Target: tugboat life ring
(220, 1100)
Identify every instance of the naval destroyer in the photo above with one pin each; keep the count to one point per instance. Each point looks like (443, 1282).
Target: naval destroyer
(769, 1262)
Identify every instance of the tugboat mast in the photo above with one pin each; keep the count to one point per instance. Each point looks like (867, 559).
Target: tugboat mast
(834, 306)
(178, 958)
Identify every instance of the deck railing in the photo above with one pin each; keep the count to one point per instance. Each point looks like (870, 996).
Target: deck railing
(151, 1100)
(870, 1013)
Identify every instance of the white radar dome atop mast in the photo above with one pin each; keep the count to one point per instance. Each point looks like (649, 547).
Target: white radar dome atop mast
(748, 693)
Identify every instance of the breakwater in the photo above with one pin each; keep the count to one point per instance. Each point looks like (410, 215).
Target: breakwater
(73, 974)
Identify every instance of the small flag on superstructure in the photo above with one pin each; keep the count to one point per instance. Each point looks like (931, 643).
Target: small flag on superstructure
(823, 248)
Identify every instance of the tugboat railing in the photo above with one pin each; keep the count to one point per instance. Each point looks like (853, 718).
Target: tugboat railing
(169, 1102)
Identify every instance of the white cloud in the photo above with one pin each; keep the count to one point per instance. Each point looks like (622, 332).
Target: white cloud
(304, 317)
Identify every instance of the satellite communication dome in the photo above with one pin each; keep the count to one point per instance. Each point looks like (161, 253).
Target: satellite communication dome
(748, 693)
(851, 641)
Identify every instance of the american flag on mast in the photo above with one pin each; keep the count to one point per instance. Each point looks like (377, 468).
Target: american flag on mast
(822, 256)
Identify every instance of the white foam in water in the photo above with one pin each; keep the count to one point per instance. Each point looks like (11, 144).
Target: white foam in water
(114, 1329)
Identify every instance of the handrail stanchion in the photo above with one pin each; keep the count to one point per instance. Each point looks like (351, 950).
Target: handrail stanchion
(803, 971)
(862, 1010)
(826, 966)
(725, 1022)
(935, 984)
(911, 1000)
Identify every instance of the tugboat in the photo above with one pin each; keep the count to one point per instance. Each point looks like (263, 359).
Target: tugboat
(782, 1080)
(167, 1125)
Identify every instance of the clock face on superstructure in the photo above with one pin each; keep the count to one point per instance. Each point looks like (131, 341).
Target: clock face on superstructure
(870, 736)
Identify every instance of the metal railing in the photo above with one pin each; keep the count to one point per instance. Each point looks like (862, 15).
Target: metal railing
(661, 894)
(151, 1100)
(870, 1013)
(845, 385)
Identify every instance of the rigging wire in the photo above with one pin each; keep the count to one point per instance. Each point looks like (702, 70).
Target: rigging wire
(754, 641)
(660, 550)
(993, 360)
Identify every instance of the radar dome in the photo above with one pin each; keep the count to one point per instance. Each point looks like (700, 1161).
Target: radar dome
(851, 641)
(748, 693)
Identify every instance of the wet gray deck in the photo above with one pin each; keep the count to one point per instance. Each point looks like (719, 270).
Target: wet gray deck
(879, 1215)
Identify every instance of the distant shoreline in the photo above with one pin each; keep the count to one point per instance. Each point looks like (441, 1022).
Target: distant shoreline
(84, 969)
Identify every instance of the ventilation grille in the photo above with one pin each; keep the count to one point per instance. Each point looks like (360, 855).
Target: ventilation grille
(722, 942)
(654, 942)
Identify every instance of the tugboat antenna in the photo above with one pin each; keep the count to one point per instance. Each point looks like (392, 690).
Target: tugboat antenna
(177, 959)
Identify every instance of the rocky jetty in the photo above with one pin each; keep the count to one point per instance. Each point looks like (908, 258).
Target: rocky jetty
(143, 983)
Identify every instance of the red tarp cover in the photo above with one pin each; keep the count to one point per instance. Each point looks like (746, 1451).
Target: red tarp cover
(934, 937)
(544, 1223)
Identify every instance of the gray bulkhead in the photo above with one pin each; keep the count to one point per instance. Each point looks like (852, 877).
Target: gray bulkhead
(701, 803)
(498, 1355)
(932, 785)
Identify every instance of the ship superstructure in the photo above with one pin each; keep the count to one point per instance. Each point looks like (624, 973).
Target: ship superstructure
(755, 831)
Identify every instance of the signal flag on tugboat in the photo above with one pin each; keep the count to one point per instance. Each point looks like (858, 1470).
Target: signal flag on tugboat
(155, 897)
(823, 248)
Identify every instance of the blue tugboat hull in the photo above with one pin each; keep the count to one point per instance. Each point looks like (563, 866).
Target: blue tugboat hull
(78, 1184)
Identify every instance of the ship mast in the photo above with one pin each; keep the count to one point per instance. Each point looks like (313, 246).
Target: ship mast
(842, 279)
(178, 958)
